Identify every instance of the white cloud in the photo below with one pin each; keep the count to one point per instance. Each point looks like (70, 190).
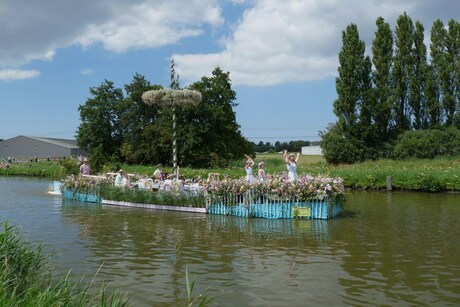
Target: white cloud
(34, 30)
(87, 71)
(272, 42)
(152, 24)
(294, 40)
(17, 74)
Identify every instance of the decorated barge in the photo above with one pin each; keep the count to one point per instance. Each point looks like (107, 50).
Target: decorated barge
(315, 197)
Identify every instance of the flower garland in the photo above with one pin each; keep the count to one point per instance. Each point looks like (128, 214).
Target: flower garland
(169, 96)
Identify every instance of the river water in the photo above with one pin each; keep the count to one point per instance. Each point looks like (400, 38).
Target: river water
(388, 248)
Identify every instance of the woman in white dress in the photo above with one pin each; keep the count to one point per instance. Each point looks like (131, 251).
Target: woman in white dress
(291, 163)
(248, 168)
(261, 171)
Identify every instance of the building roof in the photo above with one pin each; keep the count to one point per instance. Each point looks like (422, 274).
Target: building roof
(58, 142)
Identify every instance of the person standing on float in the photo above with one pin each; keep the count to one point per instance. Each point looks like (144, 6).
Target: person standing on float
(291, 163)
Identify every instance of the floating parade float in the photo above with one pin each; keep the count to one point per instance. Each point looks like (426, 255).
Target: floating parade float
(315, 197)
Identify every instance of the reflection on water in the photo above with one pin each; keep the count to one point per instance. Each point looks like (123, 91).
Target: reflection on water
(388, 249)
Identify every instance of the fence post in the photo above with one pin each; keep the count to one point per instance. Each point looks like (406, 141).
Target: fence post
(389, 183)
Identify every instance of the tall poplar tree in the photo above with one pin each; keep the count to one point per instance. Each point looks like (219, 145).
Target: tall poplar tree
(417, 99)
(367, 131)
(402, 72)
(437, 50)
(382, 57)
(453, 73)
(349, 81)
(432, 99)
(438, 62)
(346, 140)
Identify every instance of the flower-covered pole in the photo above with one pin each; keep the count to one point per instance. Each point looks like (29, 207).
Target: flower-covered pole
(174, 97)
(174, 86)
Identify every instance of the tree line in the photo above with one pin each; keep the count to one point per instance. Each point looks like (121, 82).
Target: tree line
(291, 146)
(404, 89)
(117, 126)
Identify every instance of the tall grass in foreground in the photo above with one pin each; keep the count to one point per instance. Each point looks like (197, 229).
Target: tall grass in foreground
(201, 299)
(27, 280)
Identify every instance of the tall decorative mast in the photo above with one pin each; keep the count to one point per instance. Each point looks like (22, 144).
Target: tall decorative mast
(172, 96)
(174, 86)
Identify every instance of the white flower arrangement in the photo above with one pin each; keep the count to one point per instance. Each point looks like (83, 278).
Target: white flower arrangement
(171, 97)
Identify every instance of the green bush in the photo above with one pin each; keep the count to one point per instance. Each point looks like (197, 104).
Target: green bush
(70, 166)
(430, 183)
(339, 149)
(427, 144)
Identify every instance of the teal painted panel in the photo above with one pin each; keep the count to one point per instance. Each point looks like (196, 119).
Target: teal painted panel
(90, 198)
(283, 210)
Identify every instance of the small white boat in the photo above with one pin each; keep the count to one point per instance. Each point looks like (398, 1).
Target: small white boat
(54, 188)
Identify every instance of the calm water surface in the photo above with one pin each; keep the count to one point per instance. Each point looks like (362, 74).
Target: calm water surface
(395, 248)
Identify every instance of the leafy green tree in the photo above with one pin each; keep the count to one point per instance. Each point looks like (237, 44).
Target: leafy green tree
(99, 133)
(208, 134)
(417, 85)
(382, 57)
(339, 149)
(137, 124)
(402, 72)
(296, 146)
(262, 147)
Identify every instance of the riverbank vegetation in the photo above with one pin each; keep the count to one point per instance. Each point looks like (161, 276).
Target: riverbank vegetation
(26, 279)
(438, 174)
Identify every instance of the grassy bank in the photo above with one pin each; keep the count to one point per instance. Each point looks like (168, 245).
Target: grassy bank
(440, 174)
(35, 169)
(27, 280)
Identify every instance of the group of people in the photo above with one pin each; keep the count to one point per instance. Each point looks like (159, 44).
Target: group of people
(122, 179)
(291, 164)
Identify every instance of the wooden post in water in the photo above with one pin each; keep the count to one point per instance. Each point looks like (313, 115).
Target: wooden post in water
(389, 183)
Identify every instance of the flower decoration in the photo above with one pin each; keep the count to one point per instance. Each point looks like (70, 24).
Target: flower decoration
(307, 187)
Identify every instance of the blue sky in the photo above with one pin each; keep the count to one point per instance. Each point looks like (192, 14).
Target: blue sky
(282, 55)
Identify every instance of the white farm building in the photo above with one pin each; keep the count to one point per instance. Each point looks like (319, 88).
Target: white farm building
(21, 147)
(314, 150)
